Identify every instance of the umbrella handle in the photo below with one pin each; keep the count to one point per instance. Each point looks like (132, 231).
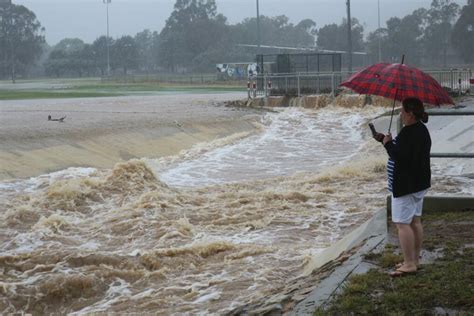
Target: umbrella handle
(395, 100)
(393, 111)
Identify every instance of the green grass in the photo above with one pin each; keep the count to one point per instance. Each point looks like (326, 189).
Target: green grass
(33, 94)
(94, 88)
(150, 87)
(448, 282)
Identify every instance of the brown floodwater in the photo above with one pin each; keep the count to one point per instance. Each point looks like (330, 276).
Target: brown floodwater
(122, 240)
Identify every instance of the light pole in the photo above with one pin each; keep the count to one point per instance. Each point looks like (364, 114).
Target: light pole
(107, 39)
(258, 27)
(349, 35)
(380, 35)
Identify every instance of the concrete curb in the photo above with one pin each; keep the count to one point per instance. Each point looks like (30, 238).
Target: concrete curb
(371, 234)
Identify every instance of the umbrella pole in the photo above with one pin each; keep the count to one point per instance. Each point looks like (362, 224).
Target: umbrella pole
(395, 100)
(393, 111)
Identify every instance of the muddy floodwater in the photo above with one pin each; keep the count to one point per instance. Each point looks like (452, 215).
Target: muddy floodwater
(221, 225)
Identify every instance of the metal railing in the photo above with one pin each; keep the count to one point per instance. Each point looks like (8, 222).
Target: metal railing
(163, 77)
(445, 113)
(297, 84)
(455, 79)
(451, 113)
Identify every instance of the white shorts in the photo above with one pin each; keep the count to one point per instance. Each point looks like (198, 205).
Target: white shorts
(406, 207)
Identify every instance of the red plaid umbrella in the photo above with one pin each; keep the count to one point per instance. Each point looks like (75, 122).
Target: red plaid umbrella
(397, 82)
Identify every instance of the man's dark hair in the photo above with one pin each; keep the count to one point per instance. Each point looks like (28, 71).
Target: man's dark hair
(415, 106)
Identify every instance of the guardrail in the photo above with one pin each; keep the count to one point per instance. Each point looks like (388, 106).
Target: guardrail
(450, 113)
(297, 84)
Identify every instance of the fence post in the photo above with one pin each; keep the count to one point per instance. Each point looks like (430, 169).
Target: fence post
(471, 92)
(265, 85)
(452, 79)
(333, 92)
(298, 77)
(459, 82)
(248, 89)
(286, 84)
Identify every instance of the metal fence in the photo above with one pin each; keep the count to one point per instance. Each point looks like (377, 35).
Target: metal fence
(165, 78)
(451, 113)
(300, 63)
(297, 84)
(454, 79)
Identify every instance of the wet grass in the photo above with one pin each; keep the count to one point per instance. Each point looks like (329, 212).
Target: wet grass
(445, 285)
(33, 94)
(157, 87)
(88, 88)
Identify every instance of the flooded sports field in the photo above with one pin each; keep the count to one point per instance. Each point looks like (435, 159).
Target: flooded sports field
(222, 224)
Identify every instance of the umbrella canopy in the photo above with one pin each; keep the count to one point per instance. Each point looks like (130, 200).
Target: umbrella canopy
(397, 82)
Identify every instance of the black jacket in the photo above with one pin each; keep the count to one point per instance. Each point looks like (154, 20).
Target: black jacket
(412, 172)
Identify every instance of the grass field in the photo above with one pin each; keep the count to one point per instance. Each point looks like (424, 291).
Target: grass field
(87, 88)
(443, 286)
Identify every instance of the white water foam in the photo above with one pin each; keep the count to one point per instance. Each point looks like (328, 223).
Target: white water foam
(293, 141)
(35, 183)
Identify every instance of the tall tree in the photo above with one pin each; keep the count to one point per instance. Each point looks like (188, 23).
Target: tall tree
(439, 24)
(70, 56)
(21, 38)
(192, 28)
(99, 51)
(125, 53)
(57, 63)
(463, 33)
(404, 37)
(144, 42)
(274, 31)
(334, 36)
(69, 45)
(372, 45)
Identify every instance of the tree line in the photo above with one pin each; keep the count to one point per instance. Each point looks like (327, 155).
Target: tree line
(196, 37)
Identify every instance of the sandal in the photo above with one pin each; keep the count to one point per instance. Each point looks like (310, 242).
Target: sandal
(400, 273)
(419, 266)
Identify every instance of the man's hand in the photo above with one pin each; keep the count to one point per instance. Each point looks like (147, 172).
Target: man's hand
(379, 137)
(387, 138)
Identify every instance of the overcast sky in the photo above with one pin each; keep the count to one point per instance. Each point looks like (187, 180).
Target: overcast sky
(86, 19)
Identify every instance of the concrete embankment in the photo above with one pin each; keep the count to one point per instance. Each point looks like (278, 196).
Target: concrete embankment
(101, 132)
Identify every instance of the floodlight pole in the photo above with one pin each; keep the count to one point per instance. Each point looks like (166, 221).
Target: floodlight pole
(380, 35)
(349, 35)
(258, 27)
(107, 39)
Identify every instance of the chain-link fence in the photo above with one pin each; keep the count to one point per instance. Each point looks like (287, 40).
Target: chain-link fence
(297, 84)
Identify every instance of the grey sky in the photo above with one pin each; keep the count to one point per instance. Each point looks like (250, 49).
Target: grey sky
(86, 19)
